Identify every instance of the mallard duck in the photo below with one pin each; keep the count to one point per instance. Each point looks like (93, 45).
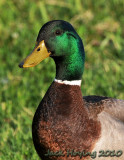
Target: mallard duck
(65, 125)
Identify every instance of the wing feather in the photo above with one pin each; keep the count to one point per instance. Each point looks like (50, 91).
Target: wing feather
(97, 104)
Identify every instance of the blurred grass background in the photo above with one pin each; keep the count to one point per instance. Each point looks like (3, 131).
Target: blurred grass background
(101, 26)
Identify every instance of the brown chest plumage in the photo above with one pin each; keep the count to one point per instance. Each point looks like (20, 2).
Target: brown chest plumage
(61, 123)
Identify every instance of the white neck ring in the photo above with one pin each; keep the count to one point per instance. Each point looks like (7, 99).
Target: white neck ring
(75, 82)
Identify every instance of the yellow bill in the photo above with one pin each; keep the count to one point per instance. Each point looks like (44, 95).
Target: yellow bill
(39, 53)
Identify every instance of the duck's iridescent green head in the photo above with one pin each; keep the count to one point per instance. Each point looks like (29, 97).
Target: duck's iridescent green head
(59, 40)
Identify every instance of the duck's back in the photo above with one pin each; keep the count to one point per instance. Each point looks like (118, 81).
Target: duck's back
(110, 113)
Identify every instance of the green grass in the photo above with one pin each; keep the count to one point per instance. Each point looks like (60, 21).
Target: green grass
(100, 25)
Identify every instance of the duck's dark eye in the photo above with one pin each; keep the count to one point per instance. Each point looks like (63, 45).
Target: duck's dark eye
(38, 49)
(58, 32)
